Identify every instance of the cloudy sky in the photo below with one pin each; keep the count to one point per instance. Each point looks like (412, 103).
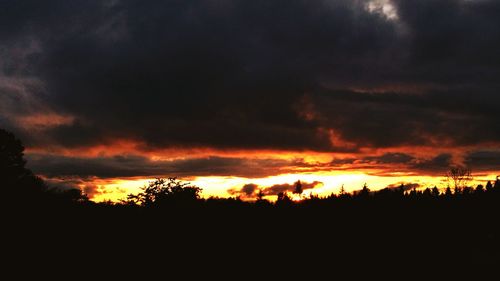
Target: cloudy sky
(238, 95)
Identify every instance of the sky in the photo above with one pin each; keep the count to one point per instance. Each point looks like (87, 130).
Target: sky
(239, 96)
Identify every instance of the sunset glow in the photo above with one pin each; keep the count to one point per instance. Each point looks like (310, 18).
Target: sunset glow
(224, 173)
(116, 190)
(240, 96)
(284, 134)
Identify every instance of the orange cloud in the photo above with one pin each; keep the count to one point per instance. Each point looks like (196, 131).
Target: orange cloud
(42, 121)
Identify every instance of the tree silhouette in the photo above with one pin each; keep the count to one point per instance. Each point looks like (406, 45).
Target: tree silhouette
(72, 195)
(342, 190)
(19, 184)
(260, 195)
(427, 192)
(448, 192)
(165, 192)
(435, 191)
(12, 163)
(489, 186)
(401, 190)
(479, 189)
(460, 177)
(283, 199)
(365, 191)
(467, 190)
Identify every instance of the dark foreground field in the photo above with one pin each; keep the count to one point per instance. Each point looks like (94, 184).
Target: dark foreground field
(316, 235)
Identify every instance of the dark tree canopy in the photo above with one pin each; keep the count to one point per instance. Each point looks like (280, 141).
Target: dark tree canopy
(165, 192)
(20, 186)
(12, 163)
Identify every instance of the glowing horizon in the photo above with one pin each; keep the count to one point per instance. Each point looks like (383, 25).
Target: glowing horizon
(110, 172)
(219, 186)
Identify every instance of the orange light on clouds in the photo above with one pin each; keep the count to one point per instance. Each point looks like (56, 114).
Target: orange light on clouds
(133, 147)
(42, 121)
(307, 166)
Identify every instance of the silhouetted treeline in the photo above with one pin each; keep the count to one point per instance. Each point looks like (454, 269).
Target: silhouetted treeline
(171, 192)
(22, 186)
(388, 226)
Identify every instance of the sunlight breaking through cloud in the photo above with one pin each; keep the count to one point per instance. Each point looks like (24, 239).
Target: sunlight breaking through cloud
(384, 7)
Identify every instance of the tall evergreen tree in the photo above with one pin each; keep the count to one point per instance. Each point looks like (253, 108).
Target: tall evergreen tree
(12, 163)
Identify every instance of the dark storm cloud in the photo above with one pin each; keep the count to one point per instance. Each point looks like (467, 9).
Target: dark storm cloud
(248, 190)
(391, 158)
(91, 190)
(54, 166)
(286, 187)
(130, 166)
(404, 185)
(251, 190)
(483, 161)
(438, 164)
(393, 119)
(451, 33)
(245, 74)
(387, 158)
(227, 74)
(402, 162)
(64, 184)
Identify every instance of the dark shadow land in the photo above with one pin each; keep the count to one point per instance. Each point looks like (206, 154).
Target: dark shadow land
(408, 229)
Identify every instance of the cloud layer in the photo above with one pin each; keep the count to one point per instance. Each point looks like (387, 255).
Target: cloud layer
(331, 76)
(251, 191)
